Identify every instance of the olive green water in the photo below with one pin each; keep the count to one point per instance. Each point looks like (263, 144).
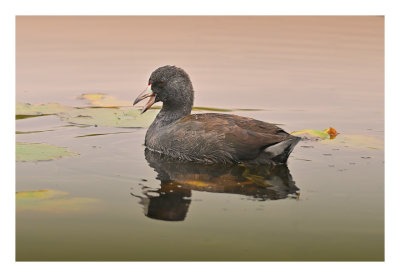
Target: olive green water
(116, 202)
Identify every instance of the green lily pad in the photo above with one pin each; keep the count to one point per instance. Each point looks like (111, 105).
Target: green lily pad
(23, 116)
(51, 201)
(324, 134)
(313, 133)
(109, 117)
(40, 109)
(31, 152)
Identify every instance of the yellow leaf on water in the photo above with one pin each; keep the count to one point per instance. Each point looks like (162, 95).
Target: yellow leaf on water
(104, 100)
(329, 133)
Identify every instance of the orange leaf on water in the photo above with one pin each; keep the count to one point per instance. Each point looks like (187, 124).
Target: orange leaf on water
(331, 132)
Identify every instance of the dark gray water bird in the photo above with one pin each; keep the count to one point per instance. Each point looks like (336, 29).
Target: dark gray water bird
(208, 137)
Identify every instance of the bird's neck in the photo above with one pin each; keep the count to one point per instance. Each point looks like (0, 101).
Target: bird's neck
(171, 113)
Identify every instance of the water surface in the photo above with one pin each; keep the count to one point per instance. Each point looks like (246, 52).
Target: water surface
(120, 203)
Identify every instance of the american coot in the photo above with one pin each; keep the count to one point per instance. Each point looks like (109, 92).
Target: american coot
(209, 137)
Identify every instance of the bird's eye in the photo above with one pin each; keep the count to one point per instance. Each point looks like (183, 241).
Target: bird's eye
(161, 84)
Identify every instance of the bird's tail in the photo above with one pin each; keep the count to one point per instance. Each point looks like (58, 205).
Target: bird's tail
(280, 151)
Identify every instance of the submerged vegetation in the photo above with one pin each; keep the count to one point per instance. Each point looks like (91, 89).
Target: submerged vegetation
(53, 201)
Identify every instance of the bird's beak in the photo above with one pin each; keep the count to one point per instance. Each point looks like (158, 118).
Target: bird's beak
(146, 93)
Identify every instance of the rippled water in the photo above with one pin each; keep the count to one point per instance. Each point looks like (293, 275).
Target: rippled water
(120, 203)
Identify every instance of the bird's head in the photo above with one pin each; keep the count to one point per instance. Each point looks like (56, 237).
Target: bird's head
(170, 85)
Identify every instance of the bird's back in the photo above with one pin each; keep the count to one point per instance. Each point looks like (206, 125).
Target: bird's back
(221, 138)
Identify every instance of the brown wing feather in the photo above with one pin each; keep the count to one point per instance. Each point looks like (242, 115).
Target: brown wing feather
(244, 137)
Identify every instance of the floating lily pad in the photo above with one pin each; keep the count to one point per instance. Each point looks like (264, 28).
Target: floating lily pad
(115, 117)
(51, 201)
(23, 116)
(357, 141)
(330, 133)
(101, 134)
(74, 125)
(30, 110)
(104, 100)
(31, 152)
(106, 112)
(109, 117)
(211, 109)
(223, 110)
(31, 132)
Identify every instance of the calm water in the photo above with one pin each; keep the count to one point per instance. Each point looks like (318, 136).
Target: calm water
(304, 72)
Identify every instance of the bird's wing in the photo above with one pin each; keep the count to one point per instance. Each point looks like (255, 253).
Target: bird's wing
(243, 138)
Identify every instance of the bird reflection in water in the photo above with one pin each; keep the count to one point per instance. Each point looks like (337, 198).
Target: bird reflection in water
(171, 201)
